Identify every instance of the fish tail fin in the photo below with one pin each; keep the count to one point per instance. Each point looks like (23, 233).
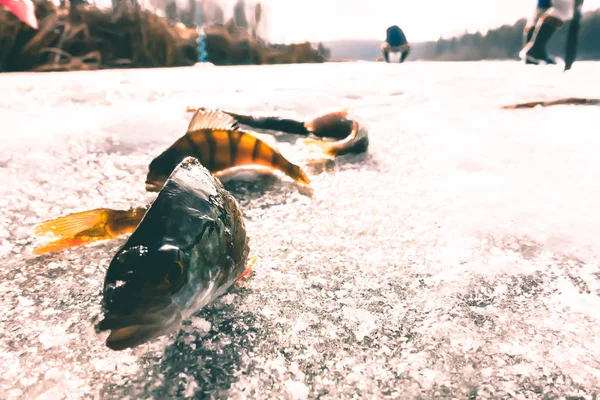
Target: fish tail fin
(302, 180)
(299, 175)
(356, 141)
(86, 227)
(257, 149)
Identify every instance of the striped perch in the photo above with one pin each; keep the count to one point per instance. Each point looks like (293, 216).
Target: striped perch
(215, 139)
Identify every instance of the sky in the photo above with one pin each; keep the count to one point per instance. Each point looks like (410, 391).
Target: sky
(421, 20)
(287, 21)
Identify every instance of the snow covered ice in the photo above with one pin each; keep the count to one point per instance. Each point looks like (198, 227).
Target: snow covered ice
(458, 258)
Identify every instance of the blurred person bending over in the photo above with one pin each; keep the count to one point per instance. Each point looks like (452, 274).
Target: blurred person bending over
(549, 16)
(395, 42)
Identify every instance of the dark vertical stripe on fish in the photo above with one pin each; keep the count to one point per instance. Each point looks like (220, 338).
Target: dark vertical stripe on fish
(256, 149)
(275, 158)
(195, 148)
(234, 144)
(212, 148)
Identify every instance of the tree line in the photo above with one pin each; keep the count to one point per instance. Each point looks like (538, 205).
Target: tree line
(506, 41)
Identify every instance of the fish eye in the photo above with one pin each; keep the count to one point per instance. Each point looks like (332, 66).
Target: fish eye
(174, 276)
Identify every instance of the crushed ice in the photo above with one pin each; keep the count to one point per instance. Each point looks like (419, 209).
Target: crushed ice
(458, 258)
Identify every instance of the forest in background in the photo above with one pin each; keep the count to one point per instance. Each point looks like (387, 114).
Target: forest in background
(503, 43)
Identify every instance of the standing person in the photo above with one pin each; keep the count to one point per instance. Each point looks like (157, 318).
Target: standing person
(395, 41)
(257, 15)
(239, 14)
(549, 16)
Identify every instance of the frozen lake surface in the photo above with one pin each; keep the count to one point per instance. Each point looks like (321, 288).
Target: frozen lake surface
(458, 258)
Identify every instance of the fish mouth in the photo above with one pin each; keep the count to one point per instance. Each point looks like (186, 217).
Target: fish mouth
(129, 331)
(154, 186)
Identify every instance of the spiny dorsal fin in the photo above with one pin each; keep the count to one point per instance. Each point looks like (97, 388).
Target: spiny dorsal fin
(206, 118)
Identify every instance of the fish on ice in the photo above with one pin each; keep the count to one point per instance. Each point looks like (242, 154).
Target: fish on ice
(215, 139)
(335, 133)
(187, 248)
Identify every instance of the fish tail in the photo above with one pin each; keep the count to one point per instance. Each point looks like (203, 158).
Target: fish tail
(290, 169)
(87, 226)
(299, 175)
(251, 149)
(357, 141)
(335, 125)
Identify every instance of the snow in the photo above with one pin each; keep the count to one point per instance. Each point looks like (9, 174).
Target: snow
(458, 258)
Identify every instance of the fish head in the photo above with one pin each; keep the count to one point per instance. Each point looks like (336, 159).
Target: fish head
(161, 168)
(138, 294)
(335, 125)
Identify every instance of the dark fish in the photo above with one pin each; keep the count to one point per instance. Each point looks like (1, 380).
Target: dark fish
(558, 102)
(336, 124)
(215, 139)
(187, 249)
(333, 125)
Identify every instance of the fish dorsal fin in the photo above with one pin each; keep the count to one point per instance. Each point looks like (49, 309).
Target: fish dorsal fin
(206, 118)
(265, 137)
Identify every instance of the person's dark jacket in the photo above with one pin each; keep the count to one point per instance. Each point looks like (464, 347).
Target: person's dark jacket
(395, 36)
(544, 3)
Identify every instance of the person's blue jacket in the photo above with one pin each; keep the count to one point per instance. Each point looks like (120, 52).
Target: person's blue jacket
(395, 36)
(544, 3)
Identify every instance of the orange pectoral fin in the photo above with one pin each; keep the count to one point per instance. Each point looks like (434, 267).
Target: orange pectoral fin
(86, 227)
(63, 244)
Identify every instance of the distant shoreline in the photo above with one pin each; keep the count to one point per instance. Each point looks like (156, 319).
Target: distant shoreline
(502, 43)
